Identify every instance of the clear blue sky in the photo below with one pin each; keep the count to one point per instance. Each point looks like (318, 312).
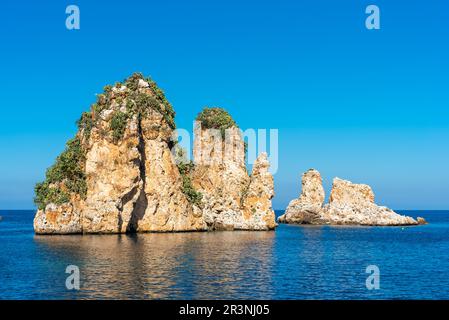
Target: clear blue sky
(369, 106)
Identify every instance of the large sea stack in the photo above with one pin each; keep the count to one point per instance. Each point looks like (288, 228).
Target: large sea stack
(123, 172)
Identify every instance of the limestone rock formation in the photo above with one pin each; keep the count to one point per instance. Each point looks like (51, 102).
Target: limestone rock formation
(232, 199)
(349, 204)
(120, 174)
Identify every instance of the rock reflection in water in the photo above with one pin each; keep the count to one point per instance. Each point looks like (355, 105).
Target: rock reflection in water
(166, 266)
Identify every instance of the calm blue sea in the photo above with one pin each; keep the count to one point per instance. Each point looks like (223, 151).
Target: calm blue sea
(294, 262)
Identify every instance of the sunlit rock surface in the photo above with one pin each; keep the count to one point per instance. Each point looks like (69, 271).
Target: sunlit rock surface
(132, 180)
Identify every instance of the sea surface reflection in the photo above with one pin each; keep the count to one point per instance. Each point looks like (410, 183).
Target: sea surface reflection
(293, 262)
(168, 266)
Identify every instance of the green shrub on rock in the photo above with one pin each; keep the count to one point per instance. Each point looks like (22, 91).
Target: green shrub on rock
(118, 125)
(187, 188)
(185, 168)
(65, 177)
(139, 102)
(216, 118)
(85, 123)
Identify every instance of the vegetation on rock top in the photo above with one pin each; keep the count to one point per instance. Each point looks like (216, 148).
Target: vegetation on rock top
(129, 101)
(216, 118)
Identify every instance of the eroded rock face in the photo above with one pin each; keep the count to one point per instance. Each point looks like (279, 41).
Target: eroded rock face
(306, 209)
(349, 204)
(135, 185)
(231, 199)
(114, 181)
(62, 219)
(166, 206)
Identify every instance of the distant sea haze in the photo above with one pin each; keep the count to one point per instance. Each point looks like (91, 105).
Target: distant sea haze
(292, 262)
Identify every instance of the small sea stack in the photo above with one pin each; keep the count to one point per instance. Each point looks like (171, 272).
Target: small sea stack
(349, 204)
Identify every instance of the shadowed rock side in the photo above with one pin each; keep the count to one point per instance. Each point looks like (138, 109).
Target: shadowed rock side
(349, 204)
(129, 181)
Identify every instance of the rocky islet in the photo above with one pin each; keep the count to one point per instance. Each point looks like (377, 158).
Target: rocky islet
(349, 204)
